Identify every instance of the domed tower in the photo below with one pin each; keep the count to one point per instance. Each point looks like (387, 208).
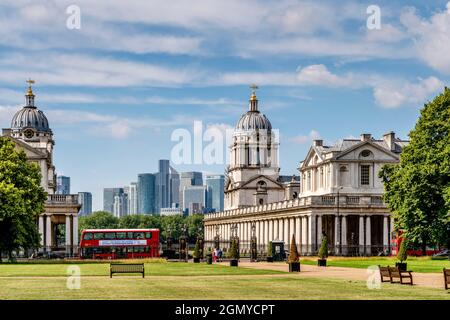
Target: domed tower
(252, 176)
(31, 131)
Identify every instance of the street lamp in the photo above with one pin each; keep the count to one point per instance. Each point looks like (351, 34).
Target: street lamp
(338, 242)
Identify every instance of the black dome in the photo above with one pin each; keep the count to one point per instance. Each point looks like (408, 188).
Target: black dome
(30, 117)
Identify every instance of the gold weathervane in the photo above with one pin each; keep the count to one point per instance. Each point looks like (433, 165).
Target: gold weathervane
(30, 91)
(254, 87)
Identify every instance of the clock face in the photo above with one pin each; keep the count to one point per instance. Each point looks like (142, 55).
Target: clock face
(29, 134)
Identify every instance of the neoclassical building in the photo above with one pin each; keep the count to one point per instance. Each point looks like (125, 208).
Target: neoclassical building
(31, 133)
(339, 195)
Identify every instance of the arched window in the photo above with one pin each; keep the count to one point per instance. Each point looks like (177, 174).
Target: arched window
(366, 155)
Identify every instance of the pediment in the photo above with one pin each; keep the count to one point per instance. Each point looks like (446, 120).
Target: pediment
(310, 156)
(379, 153)
(253, 182)
(29, 150)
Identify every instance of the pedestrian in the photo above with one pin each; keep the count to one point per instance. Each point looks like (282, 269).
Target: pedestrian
(215, 255)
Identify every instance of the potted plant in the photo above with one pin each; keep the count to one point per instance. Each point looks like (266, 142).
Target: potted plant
(196, 253)
(294, 259)
(323, 252)
(402, 255)
(233, 254)
(209, 256)
(269, 252)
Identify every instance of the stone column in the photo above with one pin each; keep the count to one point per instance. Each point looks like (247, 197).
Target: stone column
(304, 235)
(385, 233)
(298, 233)
(361, 235)
(292, 229)
(344, 235)
(337, 240)
(281, 230)
(48, 233)
(319, 230)
(275, 229)
(266, 232)
(368, 236)
(271, 227)
(312, 234)
(41, 229)
(287, 239)
(75, 233)
(68, 235)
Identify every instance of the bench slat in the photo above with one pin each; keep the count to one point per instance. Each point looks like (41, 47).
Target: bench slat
(126, 268)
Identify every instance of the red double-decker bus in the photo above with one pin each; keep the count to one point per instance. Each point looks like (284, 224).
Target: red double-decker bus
(119, 243)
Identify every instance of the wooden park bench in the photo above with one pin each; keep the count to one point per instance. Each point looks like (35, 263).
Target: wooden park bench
(401, 275)
(126, 268)
(446, 278)
(385, 274)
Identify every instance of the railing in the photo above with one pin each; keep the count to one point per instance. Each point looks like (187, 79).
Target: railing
(344, 200)
(62, 199)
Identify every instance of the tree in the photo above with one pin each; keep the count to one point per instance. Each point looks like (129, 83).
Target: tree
(323, 250)
(195, 225)
(417, 190)
(269, 249)
(196, 253)
(99, 220)
(233, 253)
(293, 253)
(21, 199)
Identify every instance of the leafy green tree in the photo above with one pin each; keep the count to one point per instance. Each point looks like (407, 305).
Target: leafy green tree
(99, 220)
(402, 254)
(196, 253)
(195, 225)
(417, 190)
(21, 199)
(233, 253)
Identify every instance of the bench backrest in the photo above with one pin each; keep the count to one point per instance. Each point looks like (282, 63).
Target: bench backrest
(395, 272)
(447, 275)
(384, 270)
(127, 267)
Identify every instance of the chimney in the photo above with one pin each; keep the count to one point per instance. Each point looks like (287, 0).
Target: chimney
(318, 143)
(366, 137)
(389, 139)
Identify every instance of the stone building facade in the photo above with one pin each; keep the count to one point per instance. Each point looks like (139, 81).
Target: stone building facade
(31, 133)
(339, 196)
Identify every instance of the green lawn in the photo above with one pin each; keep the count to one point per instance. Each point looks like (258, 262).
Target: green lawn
(190, 281)
(419, 264)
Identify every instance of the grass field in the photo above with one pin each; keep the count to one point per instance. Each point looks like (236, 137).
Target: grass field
(165, 280)
(416, 264)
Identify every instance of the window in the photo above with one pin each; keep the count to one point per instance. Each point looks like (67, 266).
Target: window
(138, 235)
(148, 235)
(121, 235)
(365, 175)
(87, 236)
(110, 235)
(130, 235)
(261, 201)
(98, 236)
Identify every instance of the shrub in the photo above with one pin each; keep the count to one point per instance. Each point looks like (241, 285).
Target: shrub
(233, 252)
(196, 253)
(269, 249)
(323, 250)
(402, 254)
(293, 253)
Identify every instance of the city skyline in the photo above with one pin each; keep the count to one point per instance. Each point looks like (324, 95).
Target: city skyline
(328, 78)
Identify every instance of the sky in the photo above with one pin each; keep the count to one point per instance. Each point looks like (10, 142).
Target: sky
(118, 79)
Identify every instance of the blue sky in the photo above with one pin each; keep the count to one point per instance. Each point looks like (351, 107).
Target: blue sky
(116, 89)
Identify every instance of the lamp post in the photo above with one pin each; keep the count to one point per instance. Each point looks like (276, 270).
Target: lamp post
(338, 242)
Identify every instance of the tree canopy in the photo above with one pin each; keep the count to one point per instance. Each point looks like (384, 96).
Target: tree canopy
(21, 199)
(417, 190)
(166, 224)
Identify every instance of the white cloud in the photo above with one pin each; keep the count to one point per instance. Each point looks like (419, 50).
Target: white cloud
(302, 139)
(431, 37)
(318, 74)
(392, 95)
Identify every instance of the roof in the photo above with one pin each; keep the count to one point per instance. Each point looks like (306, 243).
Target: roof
(119, 230)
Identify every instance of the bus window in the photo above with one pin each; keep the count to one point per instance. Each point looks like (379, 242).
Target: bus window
(147, 249)
(130, 235)
(87, 236)
(138, 235)
(148, 235)
(121, 235)
(110, 235)
(98, 236)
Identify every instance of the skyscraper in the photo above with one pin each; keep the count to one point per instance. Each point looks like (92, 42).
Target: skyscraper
(194, 199)
(163, 185)
(215, 184)
(174, 188)
(146, 193)
(62, 185)
(189, 179)
(133, 198)
(120, 206)
(108, 198)
(85, 199)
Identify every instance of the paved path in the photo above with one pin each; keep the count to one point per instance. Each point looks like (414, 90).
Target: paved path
(433, 280)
